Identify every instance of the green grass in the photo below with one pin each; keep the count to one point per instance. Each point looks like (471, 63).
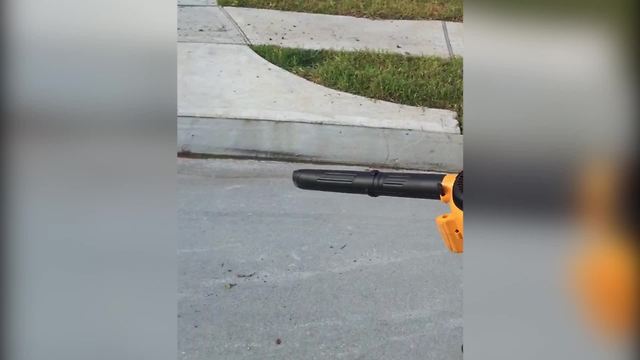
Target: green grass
(419, 81)
(450, 10)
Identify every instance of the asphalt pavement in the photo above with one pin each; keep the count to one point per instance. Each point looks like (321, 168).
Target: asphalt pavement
(268, 271)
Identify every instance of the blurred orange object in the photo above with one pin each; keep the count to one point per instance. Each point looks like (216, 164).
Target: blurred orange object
(606, 267)
(607, 281)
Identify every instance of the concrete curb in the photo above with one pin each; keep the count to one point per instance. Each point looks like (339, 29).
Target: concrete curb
(315, 142)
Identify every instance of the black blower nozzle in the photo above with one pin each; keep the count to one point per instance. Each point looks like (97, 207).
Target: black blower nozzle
(373, 183)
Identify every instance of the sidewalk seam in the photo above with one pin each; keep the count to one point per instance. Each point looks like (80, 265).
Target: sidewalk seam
(446, 38)
(235, 24)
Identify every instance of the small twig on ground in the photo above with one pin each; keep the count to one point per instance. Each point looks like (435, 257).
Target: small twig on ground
(246, 275)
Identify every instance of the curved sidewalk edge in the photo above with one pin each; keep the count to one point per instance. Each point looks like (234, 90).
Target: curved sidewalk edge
(233, 82)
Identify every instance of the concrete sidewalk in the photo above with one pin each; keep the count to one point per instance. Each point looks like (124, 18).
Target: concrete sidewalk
(231, 102)
(228, 81)
(318, 31)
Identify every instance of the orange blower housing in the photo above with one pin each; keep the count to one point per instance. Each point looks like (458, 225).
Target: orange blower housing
(451, 225)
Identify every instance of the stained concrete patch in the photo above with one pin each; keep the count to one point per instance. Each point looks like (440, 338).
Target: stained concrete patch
(318, 31)
(456, 37)
(206, 24)
(233, 82)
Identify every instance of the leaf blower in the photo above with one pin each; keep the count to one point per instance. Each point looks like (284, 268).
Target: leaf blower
(444, 187)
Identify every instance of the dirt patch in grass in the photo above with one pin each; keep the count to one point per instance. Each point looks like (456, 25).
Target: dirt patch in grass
(450, 10)
(411, 80)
